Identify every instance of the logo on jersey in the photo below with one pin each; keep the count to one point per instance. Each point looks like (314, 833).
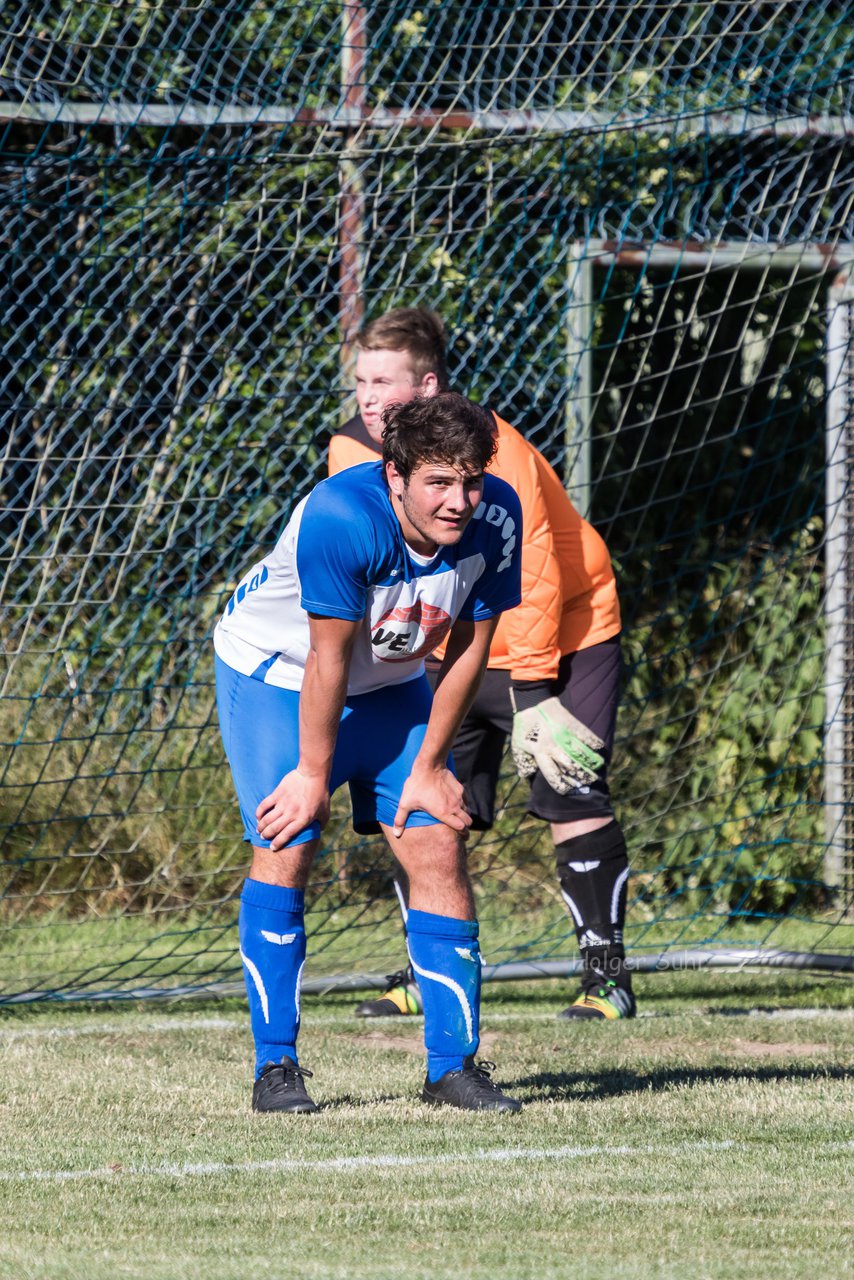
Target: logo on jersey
(409, 632)
(496, 515)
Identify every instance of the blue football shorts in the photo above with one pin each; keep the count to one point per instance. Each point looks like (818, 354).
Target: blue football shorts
(380, 735)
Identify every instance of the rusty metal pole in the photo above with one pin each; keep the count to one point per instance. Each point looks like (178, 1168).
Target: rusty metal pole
(351, 234)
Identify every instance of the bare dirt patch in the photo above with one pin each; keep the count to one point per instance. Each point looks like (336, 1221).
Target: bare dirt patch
(413, 1043)
(784, 1049)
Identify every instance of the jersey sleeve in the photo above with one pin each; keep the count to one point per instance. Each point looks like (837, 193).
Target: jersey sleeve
(499, 586)
(334, 555)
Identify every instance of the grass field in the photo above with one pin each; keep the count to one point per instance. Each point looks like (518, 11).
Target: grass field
(711, 1137)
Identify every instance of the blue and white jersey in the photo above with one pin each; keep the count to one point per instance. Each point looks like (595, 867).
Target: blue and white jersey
(343, 555)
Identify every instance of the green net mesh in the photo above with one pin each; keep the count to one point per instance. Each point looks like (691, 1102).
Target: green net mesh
(637, 221)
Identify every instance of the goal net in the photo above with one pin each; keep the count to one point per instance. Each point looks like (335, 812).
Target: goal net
(638, 223)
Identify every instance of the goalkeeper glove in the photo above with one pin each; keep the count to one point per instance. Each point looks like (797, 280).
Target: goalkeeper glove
(547, 737)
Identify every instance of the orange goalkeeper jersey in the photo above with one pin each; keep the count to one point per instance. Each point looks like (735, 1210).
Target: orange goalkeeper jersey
(569, 595)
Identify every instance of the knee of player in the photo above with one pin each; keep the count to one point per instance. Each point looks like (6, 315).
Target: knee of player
(587, 850)
(439, 849)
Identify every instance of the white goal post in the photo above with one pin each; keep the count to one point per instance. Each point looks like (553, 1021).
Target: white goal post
(838, 262)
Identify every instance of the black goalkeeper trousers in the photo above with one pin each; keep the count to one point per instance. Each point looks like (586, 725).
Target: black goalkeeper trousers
(588, 685)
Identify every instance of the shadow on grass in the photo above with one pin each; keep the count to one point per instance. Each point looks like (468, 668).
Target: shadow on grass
(550, 1086)
(725, 1011)
(360, 1104)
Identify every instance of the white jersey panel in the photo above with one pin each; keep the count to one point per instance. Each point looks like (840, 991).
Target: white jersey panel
(263, 625)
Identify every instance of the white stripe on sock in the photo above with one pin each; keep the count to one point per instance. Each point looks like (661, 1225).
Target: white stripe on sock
(453, 986)
(615, 896)
(259, 986)
(299, 991)
(576, 914)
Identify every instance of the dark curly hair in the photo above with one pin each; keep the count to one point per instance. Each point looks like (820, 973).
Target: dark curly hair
(444, 428)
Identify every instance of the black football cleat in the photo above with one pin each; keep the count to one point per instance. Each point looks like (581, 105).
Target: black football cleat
(281, 1087)
(469, 1089)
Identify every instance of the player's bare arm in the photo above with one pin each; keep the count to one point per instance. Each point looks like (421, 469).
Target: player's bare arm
(431, 786)
(302, 796)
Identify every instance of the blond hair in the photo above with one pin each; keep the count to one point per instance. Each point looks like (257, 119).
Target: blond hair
(418, 331)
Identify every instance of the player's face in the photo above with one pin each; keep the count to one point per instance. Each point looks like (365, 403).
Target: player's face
(384, 378)
(435, 505)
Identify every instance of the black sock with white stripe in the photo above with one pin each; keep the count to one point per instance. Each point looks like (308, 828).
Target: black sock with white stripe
(593, 871)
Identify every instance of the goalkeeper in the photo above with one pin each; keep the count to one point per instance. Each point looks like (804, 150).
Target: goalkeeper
(552, 678)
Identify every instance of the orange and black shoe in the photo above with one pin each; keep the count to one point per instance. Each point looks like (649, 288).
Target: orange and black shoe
(401, 998)
(605, 1001)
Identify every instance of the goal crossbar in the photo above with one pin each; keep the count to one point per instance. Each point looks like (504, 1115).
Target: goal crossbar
(349, 118)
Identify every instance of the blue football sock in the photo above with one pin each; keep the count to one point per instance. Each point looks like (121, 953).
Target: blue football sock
(446, 958)
(272, 948)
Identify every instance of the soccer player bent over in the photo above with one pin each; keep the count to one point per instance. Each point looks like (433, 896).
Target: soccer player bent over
(320, 681)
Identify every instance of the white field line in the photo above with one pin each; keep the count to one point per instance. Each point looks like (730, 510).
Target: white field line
(354, 1164)
(9, 1033)
(107, 1028)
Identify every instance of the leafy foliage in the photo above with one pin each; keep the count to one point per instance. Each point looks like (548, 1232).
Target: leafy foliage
(171, 367)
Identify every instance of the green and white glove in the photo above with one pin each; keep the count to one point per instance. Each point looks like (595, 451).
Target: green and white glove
(547, 737)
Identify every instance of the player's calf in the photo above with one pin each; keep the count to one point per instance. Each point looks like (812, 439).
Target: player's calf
(445, 957)
(442, 938)
(593, 871)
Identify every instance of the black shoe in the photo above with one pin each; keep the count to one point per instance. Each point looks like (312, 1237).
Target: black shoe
(280, 1087)
(400, 998)
(604, 1001)
(470, 1089)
